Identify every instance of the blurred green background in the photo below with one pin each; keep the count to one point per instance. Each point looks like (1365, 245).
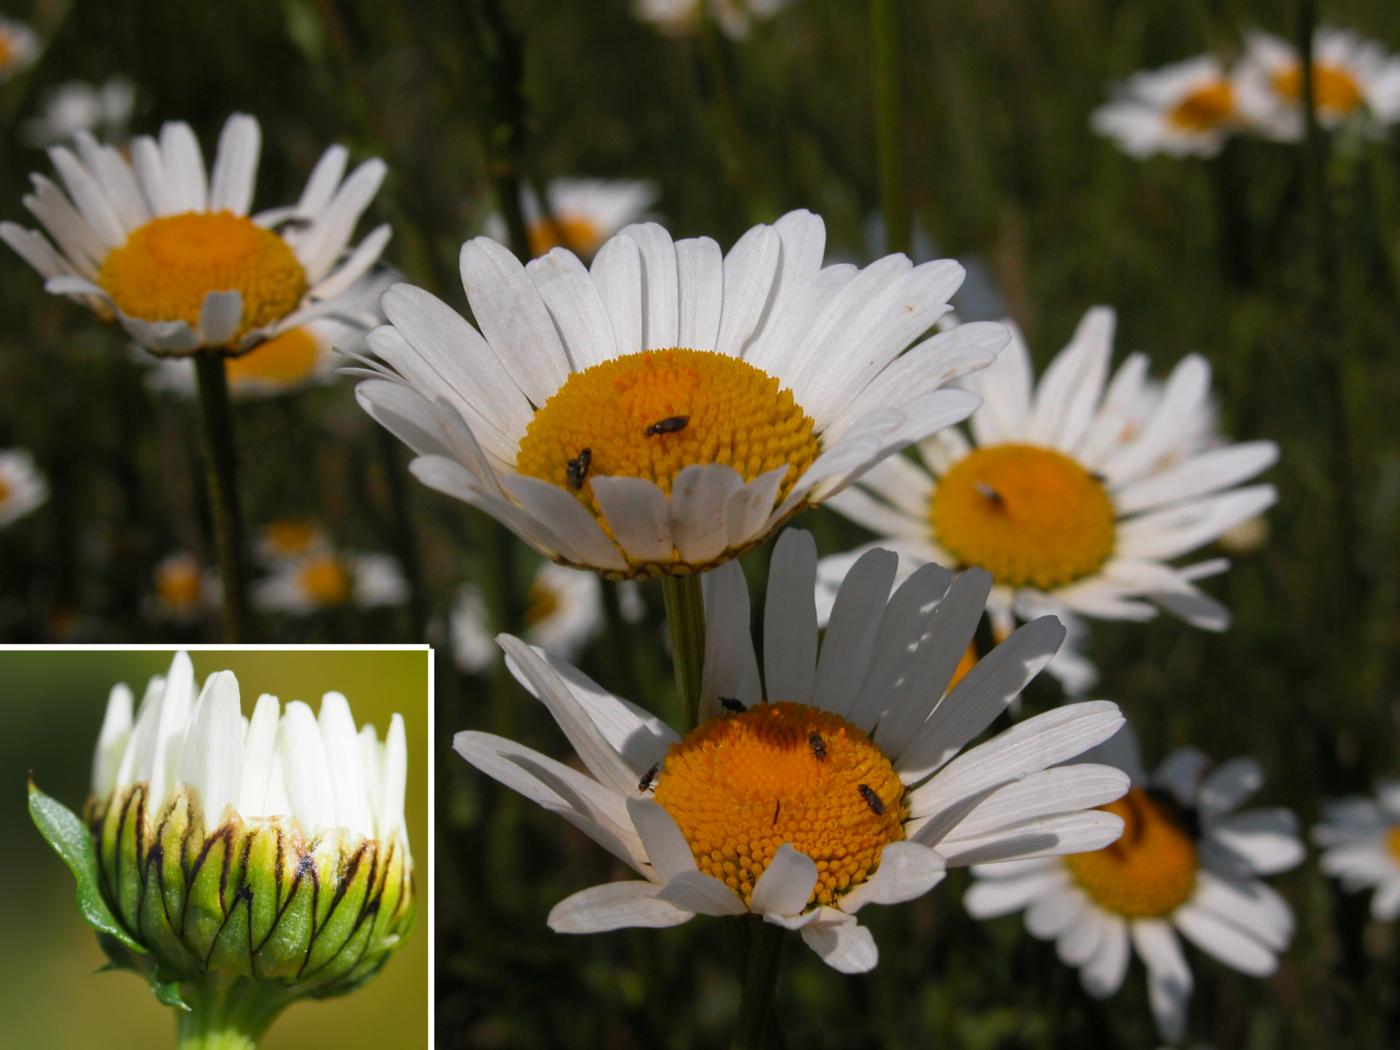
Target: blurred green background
(53, 701)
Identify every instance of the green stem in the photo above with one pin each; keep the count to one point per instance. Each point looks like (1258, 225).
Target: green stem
(894, 199)
(755, 1029)
(404, 542)
(501, 119)
(227, 1015)
(685, 621)
(221, 473)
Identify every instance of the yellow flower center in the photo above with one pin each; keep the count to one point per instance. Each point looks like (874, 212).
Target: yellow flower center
(167, 267)
(290, 537)
(742, 785)
(325, 581)
(7, 50)
(4, 492)
(649, 414)
(1392, 842)
(1335, 90)
(288, 359)
(1151, 870)
(540, 604)
(1030, 516)
(178, 583)
(1205, 108)
(578, 233)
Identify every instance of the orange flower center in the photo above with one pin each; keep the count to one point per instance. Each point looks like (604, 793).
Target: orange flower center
(1029, 516)
(325, 581)
(741, 785)
(178, 583)
(289, 537)
(540, 604)
(1205, 108)
(7, 50)
(4, 491)
(1335, 91)
(167, 267)
(1392, 842)
(287, 360)
(578, 233)
(1151, 870)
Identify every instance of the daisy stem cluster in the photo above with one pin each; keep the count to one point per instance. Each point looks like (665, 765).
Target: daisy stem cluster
(894, 199)
(685, 622)
(221, 473)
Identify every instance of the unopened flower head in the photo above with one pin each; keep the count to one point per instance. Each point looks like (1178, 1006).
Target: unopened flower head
(668, 407)
(1187, 865)
(173, 254)
(1360, 840)
(841, 778)
(22, 487)
(1184, 109)
(1077, 493)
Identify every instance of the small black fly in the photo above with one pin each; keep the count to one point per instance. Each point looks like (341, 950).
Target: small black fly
(669, 425)
(818, 746)
(872, 800)
(989, 494)
(578, 468)
(648, 777)
(730, 704)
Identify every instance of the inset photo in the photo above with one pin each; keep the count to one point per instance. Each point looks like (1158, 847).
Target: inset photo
(221, 848)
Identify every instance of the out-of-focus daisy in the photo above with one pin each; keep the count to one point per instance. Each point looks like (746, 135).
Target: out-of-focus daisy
(1184, 109)
(184, 589)
(100, 109)
(563, 613)
(291, 539)
(331, 580)
(668, 408)
(1187, 864)
(836, 783)
(1360, 840)
(1074, 494)
(19, 48)
(174, 255)
(1353, 79)
(22, 487)
(582, 214)
(297, 358)
(682, 17)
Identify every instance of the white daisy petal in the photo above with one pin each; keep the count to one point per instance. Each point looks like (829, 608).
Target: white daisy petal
(615, 906)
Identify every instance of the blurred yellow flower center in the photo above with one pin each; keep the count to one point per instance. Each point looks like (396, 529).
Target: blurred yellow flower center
(289, 537)
(1150, 871)
(167, 267)
(7, 50)
(4, 492)
(289, 358)
(649, 414)
(1392, 841)
(540, 604)
(1205, 108)
(325, 581)
(741, 785)
(1030, 516)
(578, 233)
(1335, 90)
(177, 583)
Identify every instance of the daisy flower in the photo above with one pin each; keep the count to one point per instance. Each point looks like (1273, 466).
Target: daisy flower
(19, 48)
(294, 360)
(183, 589)
(667, 408)
(1076, 495)
(290, 539)
(1187, 864)
(329, 580)
(1352, 79)
(1360, 841)
(174, 255)
(1184, 109)
(682, 17)
(99, 109)
(22, 487)
(563, 613)
(836, 783)
(585, 213)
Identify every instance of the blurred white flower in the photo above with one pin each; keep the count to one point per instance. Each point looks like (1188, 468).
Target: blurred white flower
(1184, 109)
(103, 110)
(328, 580)
(582, 214)
(682, 17)
(22, 487)
(19, 48)
(1360, 839)
(184, 588)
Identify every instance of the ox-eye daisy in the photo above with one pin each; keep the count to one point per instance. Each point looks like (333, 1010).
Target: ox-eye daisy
(22, 487)
(682, 17)
(1075, 495)
(667, 408)
(1187, 863)
(1353, 79)
(184, 590)
(582, 213)
(326, 579)
(834, 784)
(100, 109)
(1184, 109)
(174, 255)
(19, 47)
(1360, 839)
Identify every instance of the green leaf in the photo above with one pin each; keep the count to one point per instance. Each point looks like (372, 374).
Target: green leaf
(167, 989)
(71, 840)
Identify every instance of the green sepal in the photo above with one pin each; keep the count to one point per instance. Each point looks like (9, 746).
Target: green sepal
(167, 989)
(72, 841)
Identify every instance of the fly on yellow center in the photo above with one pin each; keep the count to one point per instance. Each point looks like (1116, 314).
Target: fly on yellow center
(1205, 108)
(650, 414)
(325, 581)
(1392, 842)
(742, 785)
(1335, 90)
(1150, 871)
(290, 537)
(167, 267)
(178, 584)
(578, 233)
(289, 358)
(1030, 516)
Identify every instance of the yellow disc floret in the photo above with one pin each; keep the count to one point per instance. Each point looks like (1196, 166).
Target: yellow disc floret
(1335, 90)
(288, 359)
(167, 267)
(1030, 516)
(4, 491)
(1151, 870)
(578, 233)
(1205, 108)
(649, 414)
(540, 604)
(1392, 842)
(744, 784)
(290, 537)
(178, 583)
(325, 581)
